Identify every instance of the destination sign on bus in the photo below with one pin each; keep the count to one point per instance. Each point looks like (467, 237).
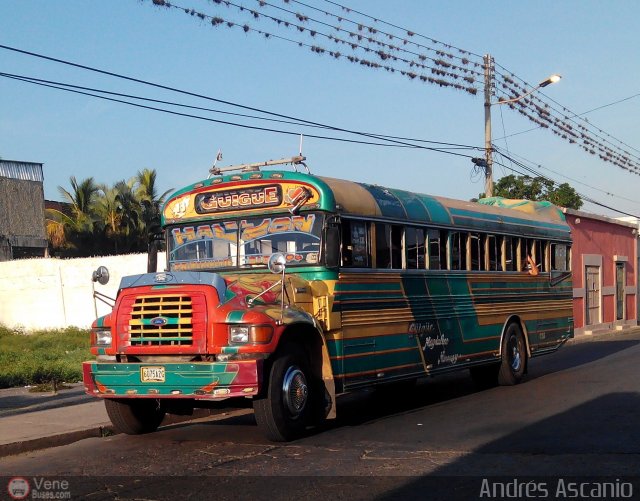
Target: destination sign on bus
(246, 198)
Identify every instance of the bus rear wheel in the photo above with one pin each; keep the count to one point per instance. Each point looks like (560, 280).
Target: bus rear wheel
(514, 356)
(134, 417)
(286, 408)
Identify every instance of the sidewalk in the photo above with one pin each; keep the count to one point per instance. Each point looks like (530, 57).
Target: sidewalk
(32, 421)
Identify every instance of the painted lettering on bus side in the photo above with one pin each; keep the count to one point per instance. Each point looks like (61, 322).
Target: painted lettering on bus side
(447, 359)
(422, 328)
(432, 342)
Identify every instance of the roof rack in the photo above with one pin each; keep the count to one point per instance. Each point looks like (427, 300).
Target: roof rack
(295, 161)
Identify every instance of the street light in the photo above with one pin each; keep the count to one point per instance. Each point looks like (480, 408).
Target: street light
(551, 80)
(488, 85)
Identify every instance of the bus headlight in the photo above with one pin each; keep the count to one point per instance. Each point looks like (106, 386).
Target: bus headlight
(102, 337)
(257, 334)
(239, 334)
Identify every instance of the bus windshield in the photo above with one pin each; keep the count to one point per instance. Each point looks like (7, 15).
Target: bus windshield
(245, 243)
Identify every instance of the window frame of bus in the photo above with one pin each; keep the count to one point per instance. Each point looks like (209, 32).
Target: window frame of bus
(236, 259)
(511, 251)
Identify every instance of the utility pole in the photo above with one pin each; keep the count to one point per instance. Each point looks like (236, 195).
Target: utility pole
(488, 92)
(488, 86)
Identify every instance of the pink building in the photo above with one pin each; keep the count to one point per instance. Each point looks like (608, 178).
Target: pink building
(604, 259)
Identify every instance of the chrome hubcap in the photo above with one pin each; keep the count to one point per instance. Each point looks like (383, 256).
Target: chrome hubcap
(295, 391)
(516, 360)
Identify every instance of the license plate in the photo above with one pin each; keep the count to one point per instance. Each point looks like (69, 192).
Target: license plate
(152, 374)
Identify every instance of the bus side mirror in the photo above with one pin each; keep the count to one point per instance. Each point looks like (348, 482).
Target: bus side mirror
(332, 247)
(156, 236)
(101, 275)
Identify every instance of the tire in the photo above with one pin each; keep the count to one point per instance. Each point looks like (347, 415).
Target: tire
(134, 417)
(287, 406)
(514, 356)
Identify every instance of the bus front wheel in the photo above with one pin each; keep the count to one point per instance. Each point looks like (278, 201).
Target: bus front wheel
(134, 417)
(285, 410)
(514, 356)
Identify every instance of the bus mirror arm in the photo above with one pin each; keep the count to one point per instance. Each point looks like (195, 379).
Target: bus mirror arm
(277, 264)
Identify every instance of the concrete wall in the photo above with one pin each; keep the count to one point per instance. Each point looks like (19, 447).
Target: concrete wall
(47, 293)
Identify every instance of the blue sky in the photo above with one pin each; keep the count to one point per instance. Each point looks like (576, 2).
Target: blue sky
(592, 44)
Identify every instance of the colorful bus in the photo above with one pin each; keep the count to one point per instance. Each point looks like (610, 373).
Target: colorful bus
(289, 289)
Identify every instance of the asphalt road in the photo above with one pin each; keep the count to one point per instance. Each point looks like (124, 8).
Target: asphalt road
(576, 415)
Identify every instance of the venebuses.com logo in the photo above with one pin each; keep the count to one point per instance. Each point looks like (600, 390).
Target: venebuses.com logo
(38, 488)
(18, 488)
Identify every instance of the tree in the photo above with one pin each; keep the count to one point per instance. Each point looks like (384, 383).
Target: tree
(72, 233)
(537, 189)
(149, 199)
(106, 219)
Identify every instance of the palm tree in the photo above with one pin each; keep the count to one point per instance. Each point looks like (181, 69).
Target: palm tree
(82, 198)
(102, 218)
(148, 196)
(131, 224)
(74, 232)
(107, 208)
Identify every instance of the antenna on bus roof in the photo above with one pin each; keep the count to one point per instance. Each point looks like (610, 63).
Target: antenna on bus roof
(301, 136)
(295, 161)
(213, 167)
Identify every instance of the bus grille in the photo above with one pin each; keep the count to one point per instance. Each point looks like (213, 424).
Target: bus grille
(161, 321)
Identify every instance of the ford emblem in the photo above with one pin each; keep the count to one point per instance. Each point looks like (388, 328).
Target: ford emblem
(159, 321)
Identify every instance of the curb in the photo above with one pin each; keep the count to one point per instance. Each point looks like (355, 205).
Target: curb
(599, 336)
(99, 431)
(54, 440)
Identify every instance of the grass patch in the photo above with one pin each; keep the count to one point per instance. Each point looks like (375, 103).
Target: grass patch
(42, 357)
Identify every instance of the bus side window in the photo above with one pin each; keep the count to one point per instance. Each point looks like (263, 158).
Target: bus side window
(457, 250)
(383, 245)
(540, 255)
(437, 246)
(492, 256)
(415, 248)
(397, 233)
(476, 256)
(355, 251)
(524, 250)
(560, 257)
(510, 254)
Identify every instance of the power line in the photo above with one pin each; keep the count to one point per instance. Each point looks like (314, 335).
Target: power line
(409, 32)
(74, 89)
(245, 126)
(609, 104)
(444, 74)
(540, 166)
(371, 30)
(579, 114)
(201, 96)
(563, 123)
(581, 195)
(557, 121)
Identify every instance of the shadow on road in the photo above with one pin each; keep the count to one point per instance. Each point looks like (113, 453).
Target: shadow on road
(366, 406)
(600, 435)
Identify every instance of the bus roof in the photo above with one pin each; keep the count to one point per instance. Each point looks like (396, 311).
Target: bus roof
(355, 199)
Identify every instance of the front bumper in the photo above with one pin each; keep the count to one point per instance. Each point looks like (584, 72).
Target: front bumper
(197, 380)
